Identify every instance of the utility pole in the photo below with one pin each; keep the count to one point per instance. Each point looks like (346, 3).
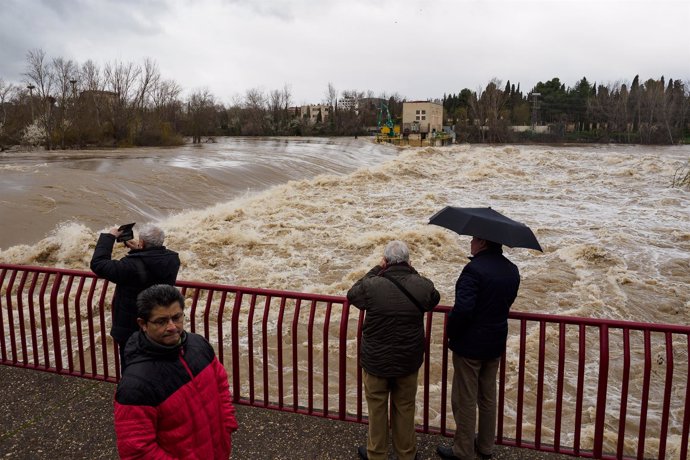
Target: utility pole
(535, 110)
(31, 99)
(49, 124)
(73, 81)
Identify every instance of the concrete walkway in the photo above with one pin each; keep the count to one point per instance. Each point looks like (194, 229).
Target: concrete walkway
(47, 416)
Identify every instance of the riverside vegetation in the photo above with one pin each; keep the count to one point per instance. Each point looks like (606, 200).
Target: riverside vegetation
(65, 104)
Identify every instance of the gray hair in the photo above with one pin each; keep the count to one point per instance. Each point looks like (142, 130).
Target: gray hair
(152, 236)
(396, 252)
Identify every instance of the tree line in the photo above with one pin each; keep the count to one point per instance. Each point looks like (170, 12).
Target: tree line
(65, 104)
(652, 112)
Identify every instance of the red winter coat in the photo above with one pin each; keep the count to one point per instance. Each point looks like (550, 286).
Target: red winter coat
(173, 402)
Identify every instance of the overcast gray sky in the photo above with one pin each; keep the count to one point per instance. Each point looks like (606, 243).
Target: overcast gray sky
(419, 49)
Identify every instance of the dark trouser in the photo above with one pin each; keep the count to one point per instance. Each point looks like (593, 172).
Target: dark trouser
(403, 392)
(474, 385)
(121, 348)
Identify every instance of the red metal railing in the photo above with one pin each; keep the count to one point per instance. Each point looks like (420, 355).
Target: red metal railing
(579, 386)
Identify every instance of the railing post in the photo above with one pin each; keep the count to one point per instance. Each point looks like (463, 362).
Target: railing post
(295, 367)
(444, 384)
(326, 352)
(559, 386)
(264, 349)
(645, 394)
(580, 388)
(521, 383)
(3, 350)
(54, 317)
(235, 346)
(342, 361)
(624, 391)
(667, 396)
(279, 347)
(601, 393)
(540, 384)
(219, 321)
(685, 437)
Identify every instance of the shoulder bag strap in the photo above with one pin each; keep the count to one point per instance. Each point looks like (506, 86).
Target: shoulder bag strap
(404, 291)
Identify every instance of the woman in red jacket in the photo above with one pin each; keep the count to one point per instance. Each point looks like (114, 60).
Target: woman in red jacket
(173, 401)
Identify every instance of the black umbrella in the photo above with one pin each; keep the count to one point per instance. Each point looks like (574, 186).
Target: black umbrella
(487, 224)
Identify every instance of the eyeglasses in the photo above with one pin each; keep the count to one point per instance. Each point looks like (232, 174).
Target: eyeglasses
(162, 322)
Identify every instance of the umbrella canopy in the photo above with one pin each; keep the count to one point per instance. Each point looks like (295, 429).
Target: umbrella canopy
(487, 224)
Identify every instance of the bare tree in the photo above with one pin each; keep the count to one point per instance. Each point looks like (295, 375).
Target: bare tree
(278, 104)
(94, 108)
(65, 72)
(90, 76)
(121, 80)
(255, 106)
(40, 78)
(201, 114)
(164, 98)
(486, 107)
(39, 74)
(149, 77)
(287, 95)
(331, 95)
(275, 107)
(5, 90)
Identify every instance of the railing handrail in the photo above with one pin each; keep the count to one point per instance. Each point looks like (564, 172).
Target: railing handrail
(42, 307)
(546, 317)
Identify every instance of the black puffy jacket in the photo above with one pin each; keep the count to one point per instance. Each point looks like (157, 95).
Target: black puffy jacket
(393, 332)
(132, 274)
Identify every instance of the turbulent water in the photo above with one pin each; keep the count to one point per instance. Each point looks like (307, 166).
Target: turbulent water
(100, 187)
(312, 215)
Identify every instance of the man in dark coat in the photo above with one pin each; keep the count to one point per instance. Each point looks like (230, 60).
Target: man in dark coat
(147, 263)
(394, 297)
(477, 331)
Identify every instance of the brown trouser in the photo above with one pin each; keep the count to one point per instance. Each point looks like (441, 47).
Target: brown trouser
(474, 385)
(403, 391)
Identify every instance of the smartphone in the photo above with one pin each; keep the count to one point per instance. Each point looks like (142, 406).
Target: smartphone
(127, 232)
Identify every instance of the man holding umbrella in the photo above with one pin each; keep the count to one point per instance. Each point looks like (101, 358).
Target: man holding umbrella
(477, 326)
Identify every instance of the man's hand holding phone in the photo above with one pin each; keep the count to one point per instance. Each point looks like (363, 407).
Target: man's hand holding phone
(126, 232)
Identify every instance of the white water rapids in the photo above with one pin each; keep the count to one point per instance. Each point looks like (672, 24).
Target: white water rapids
(616, 236)
(313, 215)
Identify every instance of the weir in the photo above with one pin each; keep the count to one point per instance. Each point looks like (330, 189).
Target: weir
(586, 387)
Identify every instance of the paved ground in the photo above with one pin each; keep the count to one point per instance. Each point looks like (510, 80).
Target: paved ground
(47, 416)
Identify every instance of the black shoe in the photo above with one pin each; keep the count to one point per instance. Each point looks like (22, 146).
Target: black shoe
(446, 452)
(479, 454)
(362, 451)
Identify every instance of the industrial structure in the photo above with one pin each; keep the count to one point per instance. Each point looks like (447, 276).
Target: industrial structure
(422, 118)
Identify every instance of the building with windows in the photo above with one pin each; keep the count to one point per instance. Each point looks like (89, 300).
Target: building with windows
(422, 117)
(348, 103)
(315, 113)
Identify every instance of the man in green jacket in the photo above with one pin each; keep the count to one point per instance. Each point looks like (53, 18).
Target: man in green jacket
(395, 298)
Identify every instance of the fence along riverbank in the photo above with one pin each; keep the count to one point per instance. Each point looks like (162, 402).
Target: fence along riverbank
(579, 386)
